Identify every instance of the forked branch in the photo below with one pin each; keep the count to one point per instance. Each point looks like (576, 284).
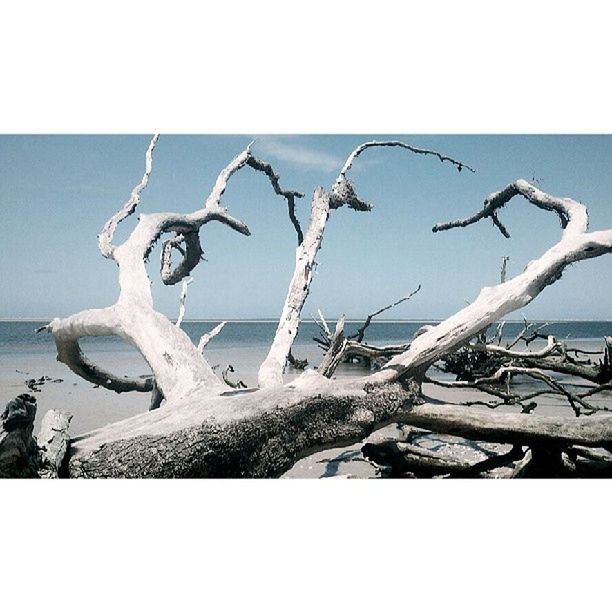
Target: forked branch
(572, 215)
(341, 194)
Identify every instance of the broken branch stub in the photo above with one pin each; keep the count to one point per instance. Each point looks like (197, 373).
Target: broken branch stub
(335, 353)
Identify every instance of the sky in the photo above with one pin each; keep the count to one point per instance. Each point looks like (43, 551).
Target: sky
(56, 193)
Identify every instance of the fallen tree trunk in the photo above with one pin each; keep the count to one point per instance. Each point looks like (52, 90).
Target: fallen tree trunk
(257, 434)
(249, 433)
(263, 433)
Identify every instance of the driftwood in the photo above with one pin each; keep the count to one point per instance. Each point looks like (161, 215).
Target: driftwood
(18, 450)
(491, 367)
(230, 383)
(22, 454)
(53, 442)
(336, 350)
(207, 428)
(295, 362)
(353, 348)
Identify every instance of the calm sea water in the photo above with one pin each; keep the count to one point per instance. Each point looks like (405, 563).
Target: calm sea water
(20, 337)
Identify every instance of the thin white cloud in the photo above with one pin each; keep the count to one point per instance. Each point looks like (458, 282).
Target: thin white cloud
(298, 155)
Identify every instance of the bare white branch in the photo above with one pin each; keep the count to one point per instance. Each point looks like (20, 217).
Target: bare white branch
(106, 236)
(324, 325)
(341, 194)
(271, 370)
(207, 337)
(184, 287)
(551, 347)
(495, 302)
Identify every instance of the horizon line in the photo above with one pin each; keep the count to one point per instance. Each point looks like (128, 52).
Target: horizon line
(311, 320)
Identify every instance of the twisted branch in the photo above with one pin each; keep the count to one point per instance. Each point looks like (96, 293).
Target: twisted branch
(572, 215)
(343, 191)
(495, 302)
(290, 196)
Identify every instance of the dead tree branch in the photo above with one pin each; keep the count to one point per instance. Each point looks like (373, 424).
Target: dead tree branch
(230, 383)
(207, 337)
(359, 334)
(353, 347)
(335, 353)
(290, 196)
(493, 303)
(106, 235)
(341, 194)
(176, 363)
(184, 287)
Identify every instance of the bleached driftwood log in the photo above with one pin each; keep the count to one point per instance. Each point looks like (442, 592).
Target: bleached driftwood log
(178, 365)
(263, 433)
(53, 442)
(206, 428)
(495, 302)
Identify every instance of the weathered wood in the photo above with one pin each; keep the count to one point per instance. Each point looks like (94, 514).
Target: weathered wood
(576, 244)
(335, 352)
(53, 441)
(403, 459)
(271, 370)
(18, 450)
(207, 337)
(526, 429)
(178, 366)
(259, 434)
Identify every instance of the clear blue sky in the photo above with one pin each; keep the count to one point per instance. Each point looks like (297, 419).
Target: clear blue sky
(56, 192)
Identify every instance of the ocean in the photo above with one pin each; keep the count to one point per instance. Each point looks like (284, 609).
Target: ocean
(243, 344)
